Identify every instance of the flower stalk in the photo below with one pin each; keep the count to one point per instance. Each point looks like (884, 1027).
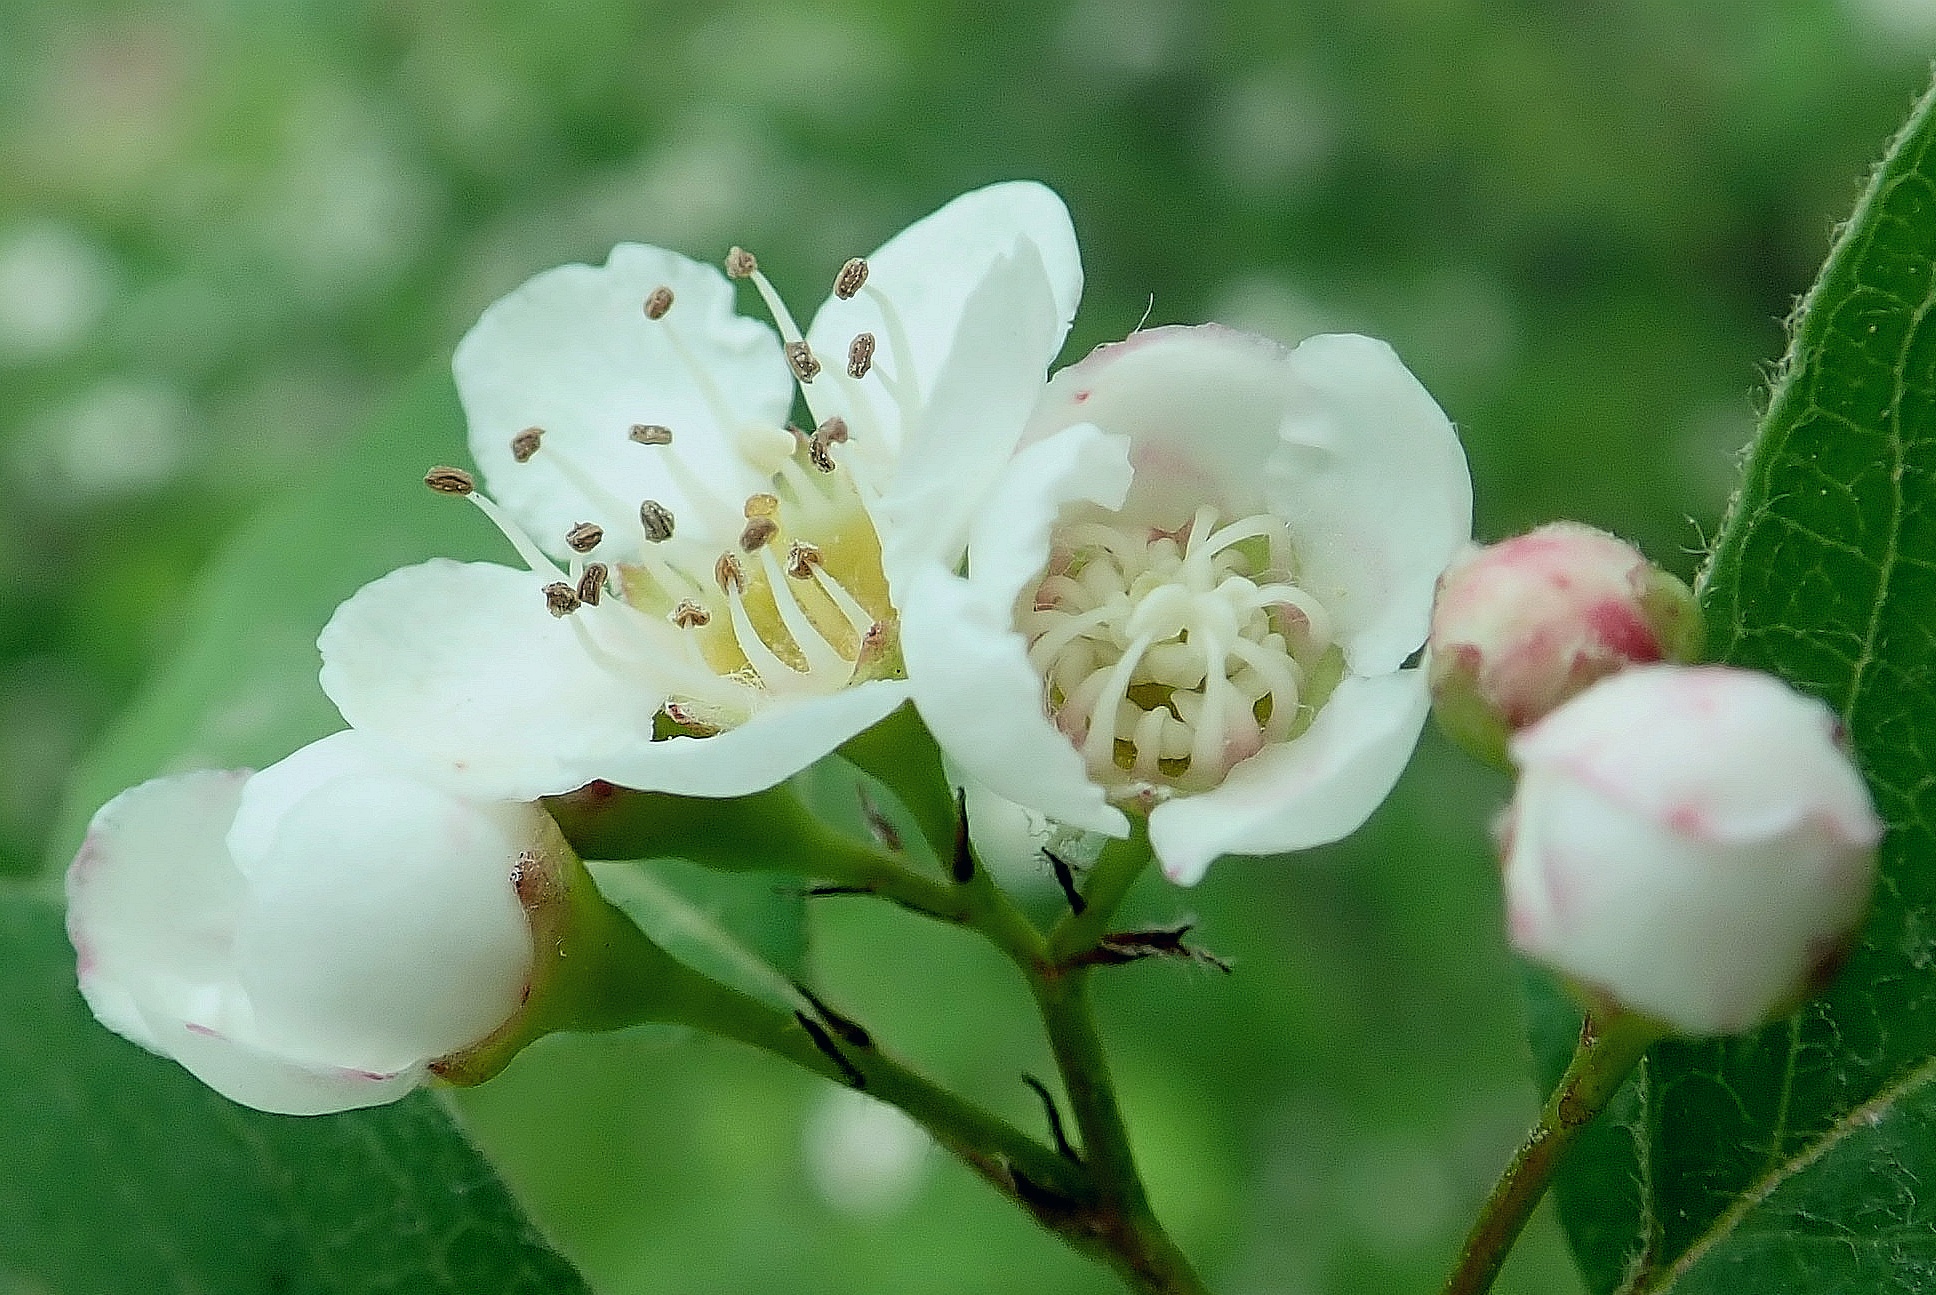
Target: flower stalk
(1610, 1046)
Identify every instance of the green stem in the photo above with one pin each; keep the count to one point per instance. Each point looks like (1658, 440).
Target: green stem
(1110, 879)
(1610, 1047)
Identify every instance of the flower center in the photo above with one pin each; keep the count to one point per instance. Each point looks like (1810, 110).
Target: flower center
(1170, 656)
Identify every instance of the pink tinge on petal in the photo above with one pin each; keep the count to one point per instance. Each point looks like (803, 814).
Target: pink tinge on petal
(366, 1076)
(206, 1032)
(1618, 625)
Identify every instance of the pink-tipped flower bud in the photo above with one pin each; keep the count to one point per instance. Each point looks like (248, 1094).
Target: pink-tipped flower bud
(1692, 844)
(1521, 626)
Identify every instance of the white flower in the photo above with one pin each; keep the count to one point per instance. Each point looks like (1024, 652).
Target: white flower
(309, 938)
(1521, 626)
(1193, 591)
(1691, 842)
(711, 599)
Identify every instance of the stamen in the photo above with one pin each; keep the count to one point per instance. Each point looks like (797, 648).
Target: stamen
(656, 520)
(857, 616)
(800, 359)
(762, 505)
(584, 537)
(801, 559)
(729, 574)
(690, 615)
(534, 557)
(591, 584)
(658, 303)
(561, 599)
(650, 434)
(449, 481)
(832, 432)
(820, 655)
(525, 443)
(851, 278)
(741, 264)
(758, 534)
(860, 355)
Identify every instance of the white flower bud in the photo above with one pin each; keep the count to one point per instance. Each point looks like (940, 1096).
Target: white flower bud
(1689, 843)
(312, 937)
(1521, 626)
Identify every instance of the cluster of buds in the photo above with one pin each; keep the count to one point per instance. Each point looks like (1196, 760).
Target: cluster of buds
(1690, 844)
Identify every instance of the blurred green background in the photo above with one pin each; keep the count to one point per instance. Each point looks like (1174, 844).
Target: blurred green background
(228, 229)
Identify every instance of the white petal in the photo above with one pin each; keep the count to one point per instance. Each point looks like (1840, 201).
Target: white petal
(778, 742)
(1646, 738)
(929, 271)
(1374, 483)
(269, 794)
(1336, 437)
(969, 666)
(986, 389)
(383, 928)
(1317, 788)
(572, 352)
(246, 1074)
(462, 663)
(153, 901)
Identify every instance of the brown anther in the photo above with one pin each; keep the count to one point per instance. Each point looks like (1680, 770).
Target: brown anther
(729, 574)
(831, 432)
(758, 534)
(741, 264)
(656, 518)
(560, 598)
(762, 505)
(817, 453)
(584, 537)
(689, 615)
(848, 282)
(874, 641)
(860, 355)
(801, 559)
(525, 443)
(591, 584)
(658, 303)
(800, 356)
(449, 481)
(650, 434)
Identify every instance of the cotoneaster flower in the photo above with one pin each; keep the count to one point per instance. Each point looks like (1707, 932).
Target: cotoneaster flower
(312, 937)
(710, 598)
(1194, 592)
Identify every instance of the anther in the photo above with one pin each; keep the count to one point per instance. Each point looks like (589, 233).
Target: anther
(449, 481)
(848, 282)
(860, 355)
(729, 574)
(690, 615)
(762, 505)
(741, 264)
(831, 432)
(650, 434)
(658, 303)
(584, 537)
(561, 599)
(800, 356)
(801, 559)
(758, 534)
(656, 518)
(591, 585)
(873, 642)
(525, 443)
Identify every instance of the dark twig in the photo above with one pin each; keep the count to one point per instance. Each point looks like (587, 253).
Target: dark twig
(964, 860)
(1119, 947)
(850, 1031)
(1056, 1130)
(824, 1041)
(1065, 877)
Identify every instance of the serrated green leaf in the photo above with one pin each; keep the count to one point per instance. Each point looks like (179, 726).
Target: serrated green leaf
(1800, 1159)
(123, 1174)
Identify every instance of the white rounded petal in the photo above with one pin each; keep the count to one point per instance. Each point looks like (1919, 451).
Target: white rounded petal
(153, 900)
(1317, 788)
(779, 741)
(990, 382)
(969, 665)
(270, 793)
(1784, 766)
(463, 664)
(928, 272)
(572, 352)
(262, 1080)
(383, 928)
(1336, 437)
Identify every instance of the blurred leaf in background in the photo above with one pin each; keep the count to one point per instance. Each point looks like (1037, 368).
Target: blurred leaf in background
(229, 232)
